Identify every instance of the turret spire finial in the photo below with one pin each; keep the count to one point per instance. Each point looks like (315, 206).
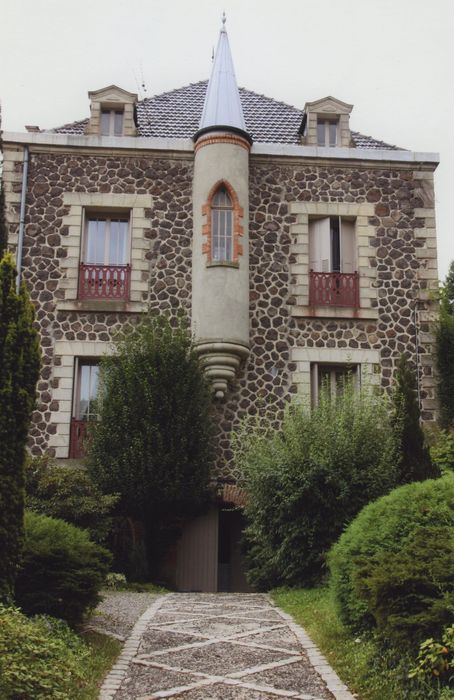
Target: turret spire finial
(224, 19)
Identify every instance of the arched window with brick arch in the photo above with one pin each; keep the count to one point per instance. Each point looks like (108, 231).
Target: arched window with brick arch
(222, 228)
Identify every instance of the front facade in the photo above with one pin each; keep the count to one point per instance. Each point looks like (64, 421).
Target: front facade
(298, 248)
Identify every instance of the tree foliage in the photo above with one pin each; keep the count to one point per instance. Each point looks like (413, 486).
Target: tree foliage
(415, 463)
(153, 442)
(19, 369)
(305, 483)
(444, 335)
(3, 234)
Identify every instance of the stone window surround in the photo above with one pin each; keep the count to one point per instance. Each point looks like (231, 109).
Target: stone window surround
(67, 351)
(331, 109)
(304, 358)
(112, 98)
(78, 203)
(238, 230)
(299, 249)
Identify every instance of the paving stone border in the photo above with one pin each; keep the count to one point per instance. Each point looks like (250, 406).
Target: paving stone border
(318, 661)
(117, 674)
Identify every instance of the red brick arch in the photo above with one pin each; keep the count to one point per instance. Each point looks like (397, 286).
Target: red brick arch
(238, 213)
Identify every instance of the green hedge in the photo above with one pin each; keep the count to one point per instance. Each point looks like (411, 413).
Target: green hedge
(62, 570)
(392, 568)
(40, 658)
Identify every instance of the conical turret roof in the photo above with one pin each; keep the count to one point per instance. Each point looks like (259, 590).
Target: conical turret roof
(222, 101)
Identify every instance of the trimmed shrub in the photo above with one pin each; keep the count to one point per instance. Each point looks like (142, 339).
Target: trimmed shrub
(392, 568)
(40, 658)
(310, 479)
(62, 571)
(70, 494)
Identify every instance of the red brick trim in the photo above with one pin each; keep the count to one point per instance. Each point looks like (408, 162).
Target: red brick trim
(230, 139)
(238, 230)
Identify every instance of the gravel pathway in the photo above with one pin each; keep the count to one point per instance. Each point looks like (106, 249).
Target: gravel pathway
(202, 646)
(118, 612)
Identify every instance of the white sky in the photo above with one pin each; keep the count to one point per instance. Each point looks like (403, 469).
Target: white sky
(393, 59)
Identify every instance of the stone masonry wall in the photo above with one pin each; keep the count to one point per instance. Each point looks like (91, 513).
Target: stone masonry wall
(396, 238)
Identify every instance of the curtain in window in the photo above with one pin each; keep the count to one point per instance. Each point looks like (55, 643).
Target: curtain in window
(107, 242)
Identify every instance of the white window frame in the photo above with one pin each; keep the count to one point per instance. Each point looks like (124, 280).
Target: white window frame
(333, 367)
(327, 123)
(108, 217)
(224, 252)
(79, 363)
(322, 244)
(113, 128)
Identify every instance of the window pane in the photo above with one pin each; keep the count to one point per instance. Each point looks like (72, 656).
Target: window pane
(96, 242)
(335, 244)
(332, 133)
(118, 123)
(117, 242)
(88, 390)
(321, 133)
(105, 123)
(222, 226)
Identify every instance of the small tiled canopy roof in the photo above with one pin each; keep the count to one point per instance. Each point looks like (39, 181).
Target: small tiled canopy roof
(176, 114)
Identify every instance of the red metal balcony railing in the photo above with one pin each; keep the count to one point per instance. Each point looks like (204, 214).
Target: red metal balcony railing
(77, 437)
(334, 289)
(104, 281)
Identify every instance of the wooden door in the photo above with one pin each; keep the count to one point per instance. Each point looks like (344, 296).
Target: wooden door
(197, 554)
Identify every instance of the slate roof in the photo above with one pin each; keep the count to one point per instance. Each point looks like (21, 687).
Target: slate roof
(176, 114)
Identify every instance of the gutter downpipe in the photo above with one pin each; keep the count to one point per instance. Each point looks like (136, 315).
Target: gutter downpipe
(20, 242)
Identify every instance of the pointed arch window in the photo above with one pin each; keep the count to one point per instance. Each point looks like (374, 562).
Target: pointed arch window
(222, 226)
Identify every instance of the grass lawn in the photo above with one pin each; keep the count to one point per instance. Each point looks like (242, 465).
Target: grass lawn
(354, 660)
(104, 652)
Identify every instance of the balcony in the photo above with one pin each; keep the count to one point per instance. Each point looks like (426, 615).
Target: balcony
(334, 289)
(77, 438)
(104, 281)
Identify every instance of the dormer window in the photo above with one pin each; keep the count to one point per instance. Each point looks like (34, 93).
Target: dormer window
(327, 132)
(112, 122)
(326, 123)
(112, 112)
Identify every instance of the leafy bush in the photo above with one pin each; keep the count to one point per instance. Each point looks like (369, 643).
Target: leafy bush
(435, 659)
(310, 479)
(392, 567)
(62, 571)
(442, 450)
(40, 658)
(70, 494)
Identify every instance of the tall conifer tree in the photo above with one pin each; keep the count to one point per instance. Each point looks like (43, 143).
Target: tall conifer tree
(415, 462)
(445, 351)
(19, 369)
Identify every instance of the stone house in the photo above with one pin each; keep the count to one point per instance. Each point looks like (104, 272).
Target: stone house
(298, 247)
